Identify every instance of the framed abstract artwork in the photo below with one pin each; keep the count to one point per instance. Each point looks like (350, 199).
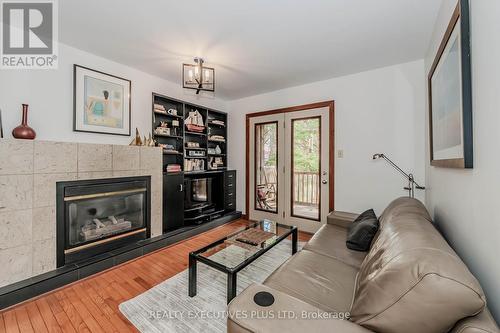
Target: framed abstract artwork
(450, 96)
(101, 102)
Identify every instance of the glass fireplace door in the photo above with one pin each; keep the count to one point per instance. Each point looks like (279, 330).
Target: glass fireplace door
(96, 217)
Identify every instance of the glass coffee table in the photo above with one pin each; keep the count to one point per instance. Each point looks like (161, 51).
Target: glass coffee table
(234, 252)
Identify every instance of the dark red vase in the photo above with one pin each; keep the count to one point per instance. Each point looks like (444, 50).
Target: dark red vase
(23, 131)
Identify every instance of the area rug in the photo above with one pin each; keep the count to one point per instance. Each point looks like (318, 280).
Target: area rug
(168, 308)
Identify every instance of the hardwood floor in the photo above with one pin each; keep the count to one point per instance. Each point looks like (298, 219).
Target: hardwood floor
(91, 305)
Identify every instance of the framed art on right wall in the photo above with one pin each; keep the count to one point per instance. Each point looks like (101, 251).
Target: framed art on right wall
(450, 96)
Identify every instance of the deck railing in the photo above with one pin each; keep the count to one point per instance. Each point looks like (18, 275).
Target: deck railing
(306, 188)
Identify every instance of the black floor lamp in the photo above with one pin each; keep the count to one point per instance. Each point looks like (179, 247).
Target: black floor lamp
(412, 184)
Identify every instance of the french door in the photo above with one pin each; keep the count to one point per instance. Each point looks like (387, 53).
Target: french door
(289, 168)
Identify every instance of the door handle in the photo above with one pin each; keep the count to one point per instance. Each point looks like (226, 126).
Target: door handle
(181, 187)
(324, 182)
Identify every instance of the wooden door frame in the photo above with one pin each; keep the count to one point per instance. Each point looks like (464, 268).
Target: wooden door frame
(331, 146)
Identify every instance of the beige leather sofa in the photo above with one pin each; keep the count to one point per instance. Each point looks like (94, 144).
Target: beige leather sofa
(411, 280)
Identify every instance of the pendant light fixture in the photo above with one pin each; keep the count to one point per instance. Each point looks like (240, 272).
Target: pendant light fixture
(198, 77)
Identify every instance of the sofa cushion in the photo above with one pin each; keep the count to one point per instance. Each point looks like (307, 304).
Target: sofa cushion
(286, 315)
(361, 231)
(482, 323)
(329, 240)
(340, 219)
(316, 279)
(411, 280)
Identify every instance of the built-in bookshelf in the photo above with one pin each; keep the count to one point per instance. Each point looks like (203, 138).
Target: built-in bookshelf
(194, 150)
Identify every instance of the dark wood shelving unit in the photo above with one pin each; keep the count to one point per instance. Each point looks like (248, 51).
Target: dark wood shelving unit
(181, 136)
(175, 217)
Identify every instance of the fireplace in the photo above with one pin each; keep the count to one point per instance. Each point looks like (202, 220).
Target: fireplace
(98, 216)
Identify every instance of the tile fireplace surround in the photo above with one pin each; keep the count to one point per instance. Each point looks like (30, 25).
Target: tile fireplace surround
(29, 171)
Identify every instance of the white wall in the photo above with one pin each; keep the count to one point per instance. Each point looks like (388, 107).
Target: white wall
(464, 203)
(376, 111)
(50, 96)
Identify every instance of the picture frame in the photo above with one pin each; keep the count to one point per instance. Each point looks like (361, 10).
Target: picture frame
(450, 96)
(1, 126)
(101, 102)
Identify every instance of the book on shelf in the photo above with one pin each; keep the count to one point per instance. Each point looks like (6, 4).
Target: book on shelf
(218, 138)
(159, 108)
(194, 165)
(217, 122)
(174, 168)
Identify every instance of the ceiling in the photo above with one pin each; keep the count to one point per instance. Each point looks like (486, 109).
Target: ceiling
(256, 46)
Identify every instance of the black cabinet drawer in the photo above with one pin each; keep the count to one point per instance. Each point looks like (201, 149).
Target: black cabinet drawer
(230, 195)
(231, 205)
(231, 178)
(230, 190)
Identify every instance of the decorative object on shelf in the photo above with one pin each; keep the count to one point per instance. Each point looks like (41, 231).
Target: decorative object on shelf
(172, 112)
(196, 153)
(150, 142)
(23, 131)
(146, 141)
(211, 151)
(191, 165)
(102, 102)
(218, 150)
(137, 141)
(450, 96)
(175, 128)
(166, 146)
(163, 129)
(194, 122)
(412, 184)
(218, 138)
(1, 127)
(198, 77)
(191, 144)
(215, 163)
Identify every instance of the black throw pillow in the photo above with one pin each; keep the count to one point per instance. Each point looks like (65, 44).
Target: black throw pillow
(361, 231)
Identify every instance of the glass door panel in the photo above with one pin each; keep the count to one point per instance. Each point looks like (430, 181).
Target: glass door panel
(306, 166)
(266, 167)
(289, 168)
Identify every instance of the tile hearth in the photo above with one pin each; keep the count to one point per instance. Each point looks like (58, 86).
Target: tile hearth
(29, 171)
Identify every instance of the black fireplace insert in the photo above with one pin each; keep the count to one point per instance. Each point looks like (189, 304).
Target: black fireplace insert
(96, 216)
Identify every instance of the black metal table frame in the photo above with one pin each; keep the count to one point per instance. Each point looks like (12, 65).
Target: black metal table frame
(231, 272)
